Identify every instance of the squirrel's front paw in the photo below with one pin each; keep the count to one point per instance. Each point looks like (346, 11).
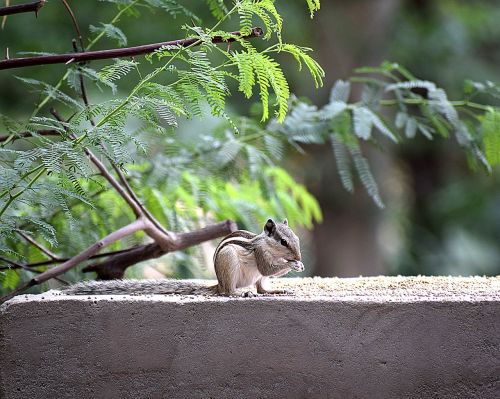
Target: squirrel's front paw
(296, 265)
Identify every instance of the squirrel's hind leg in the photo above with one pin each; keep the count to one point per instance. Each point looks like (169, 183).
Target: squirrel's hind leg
(226, 268)
(261, 289)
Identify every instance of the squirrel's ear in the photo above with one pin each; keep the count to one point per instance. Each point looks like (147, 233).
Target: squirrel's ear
(270, 227)
(285, 222)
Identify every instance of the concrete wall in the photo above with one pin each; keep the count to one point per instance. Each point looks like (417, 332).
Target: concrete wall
(442, 343)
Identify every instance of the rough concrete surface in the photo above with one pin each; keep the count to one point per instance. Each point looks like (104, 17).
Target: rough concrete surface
(332, 338)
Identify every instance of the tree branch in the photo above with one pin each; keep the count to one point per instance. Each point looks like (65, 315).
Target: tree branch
(190, 238)
(139, 224)
(13, 264)
(114, 267)
(114, 53)
(20, 8)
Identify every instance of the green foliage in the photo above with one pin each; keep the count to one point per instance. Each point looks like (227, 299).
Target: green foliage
(246, 199)
(9, 279)
(217, 8)
(491, 136)
(260, 68)
(421, 107)
(313, 6)
(111, 31)
(301, 56)
(264, 10)
(50, 190)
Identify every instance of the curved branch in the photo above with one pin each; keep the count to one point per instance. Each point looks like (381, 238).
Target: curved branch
(75, 23)
(127, 230)
(114, 53)
(115, 266)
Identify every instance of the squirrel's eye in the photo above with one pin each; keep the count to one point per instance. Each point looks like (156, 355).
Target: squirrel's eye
(284, 243)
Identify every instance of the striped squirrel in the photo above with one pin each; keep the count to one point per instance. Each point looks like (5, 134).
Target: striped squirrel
(242, 259)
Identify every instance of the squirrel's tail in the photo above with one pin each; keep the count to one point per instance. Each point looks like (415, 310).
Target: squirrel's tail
(141, 287)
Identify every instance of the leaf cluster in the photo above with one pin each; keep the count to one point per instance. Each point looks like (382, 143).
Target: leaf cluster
(394, 105)
(50, 190)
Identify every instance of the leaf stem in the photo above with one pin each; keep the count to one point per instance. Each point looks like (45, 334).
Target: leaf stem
(13, 197)
(91, 44)
(422, 101)
(24, 176)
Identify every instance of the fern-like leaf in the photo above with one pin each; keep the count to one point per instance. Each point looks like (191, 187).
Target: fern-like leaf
(340, 91)
(246, 73)
(363, 122)
(314, 6)
(491, 136)
(116, 71)
(301, 56)
(111, 31)
(269, 75)
(217, 8)
(365, 175)
(263, 9)
(343, 163)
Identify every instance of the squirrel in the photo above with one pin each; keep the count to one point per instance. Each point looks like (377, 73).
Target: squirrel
(242, 259)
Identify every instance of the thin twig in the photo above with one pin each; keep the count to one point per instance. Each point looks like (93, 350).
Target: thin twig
(104, 172)
(96, 256)
(29, 134)
(20, 8)
(164, 239)
(85, 99)
(117, 170)
(129, 189)
(75, 23)
(15, 265)
(46, 251)
(12, 198)
(114, 53)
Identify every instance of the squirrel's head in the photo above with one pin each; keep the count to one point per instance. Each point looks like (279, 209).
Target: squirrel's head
(283, 241)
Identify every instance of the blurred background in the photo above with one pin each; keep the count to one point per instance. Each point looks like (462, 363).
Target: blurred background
(440, 217)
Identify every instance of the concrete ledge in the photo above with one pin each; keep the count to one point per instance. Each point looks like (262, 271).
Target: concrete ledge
(334, 338)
